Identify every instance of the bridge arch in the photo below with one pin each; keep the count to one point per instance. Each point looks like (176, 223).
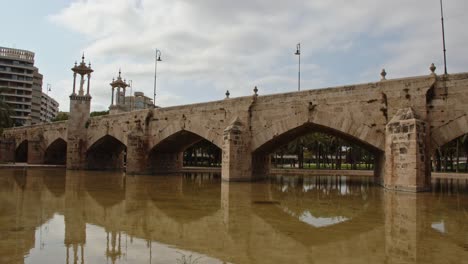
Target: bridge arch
(21, 151)
(96, 136)
(285, 134)
(167, 154)
(106, 153)
(196, 129)
(342, 125)
(56, 152)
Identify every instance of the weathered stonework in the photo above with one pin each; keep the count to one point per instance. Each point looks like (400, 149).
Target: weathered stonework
(406, 153)
(7, 150)
(236, 159)
(248, 129)
(80, 107)
(137, 146)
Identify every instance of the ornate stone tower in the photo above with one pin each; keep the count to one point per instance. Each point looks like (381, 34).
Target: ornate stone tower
(80, 105)
(121, 86)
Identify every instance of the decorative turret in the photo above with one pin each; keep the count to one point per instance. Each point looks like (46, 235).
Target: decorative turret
(80, 107)
(82, 70)
(120, 85)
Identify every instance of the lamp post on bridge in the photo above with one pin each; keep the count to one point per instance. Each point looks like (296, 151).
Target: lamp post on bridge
(298, 53)
(443, 37)
(130, 84)
(157, 58)
(49, 86)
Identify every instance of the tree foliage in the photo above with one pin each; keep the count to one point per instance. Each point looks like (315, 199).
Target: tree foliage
(99, 113)
(5, 113)
(61, 116)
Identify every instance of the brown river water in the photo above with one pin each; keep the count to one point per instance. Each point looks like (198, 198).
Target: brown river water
(59, 216)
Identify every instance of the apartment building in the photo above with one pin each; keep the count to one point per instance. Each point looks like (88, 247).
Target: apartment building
(16, 82)
(21, 88)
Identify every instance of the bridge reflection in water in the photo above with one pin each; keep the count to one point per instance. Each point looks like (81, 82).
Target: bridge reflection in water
(63, 216)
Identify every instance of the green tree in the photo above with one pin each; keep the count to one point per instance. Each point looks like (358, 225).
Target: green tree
(61, 116)
(5, 113)
(99, 113)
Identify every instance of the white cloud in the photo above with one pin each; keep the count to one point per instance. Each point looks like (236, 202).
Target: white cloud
(210, 46)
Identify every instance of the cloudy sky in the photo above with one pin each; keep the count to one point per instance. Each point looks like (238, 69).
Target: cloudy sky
(210, 46)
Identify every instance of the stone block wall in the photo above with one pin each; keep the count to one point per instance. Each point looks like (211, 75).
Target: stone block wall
(77, 131)
(406, 153)
(7, 150)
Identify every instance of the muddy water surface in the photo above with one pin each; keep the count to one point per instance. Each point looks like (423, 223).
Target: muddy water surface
(59, 216)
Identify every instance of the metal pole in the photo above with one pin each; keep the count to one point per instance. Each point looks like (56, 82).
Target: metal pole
(132, 99)
(47, 102)
(298, 52)
(155, 69)
(156, 59)
(299, 73)
(443, 37)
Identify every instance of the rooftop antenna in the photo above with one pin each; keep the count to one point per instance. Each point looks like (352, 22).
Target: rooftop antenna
(443, 37)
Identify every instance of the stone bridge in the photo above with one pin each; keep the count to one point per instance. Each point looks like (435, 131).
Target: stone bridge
(402, 121)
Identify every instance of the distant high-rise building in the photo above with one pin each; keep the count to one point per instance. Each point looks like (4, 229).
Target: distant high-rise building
(36, 97)
(21, 86)
(49, 108)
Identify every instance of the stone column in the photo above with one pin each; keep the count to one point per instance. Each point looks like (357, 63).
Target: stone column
(112, 100)
(74, 83)
(78, 132)
(237, 156)
(7, 150)
(137, 152)
(407, 160)
(89, 83)
(36, 151)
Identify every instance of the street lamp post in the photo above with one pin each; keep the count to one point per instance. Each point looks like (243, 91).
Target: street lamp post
(298, 53)
(443, 37)
(157, 58)
(47, 102)
(132, 101)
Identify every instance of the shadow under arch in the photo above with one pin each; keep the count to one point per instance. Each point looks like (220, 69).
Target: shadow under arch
(21, 152)
(167, 155)
(107, 153)
(56, 152)
(187, 197)
(260, 155)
